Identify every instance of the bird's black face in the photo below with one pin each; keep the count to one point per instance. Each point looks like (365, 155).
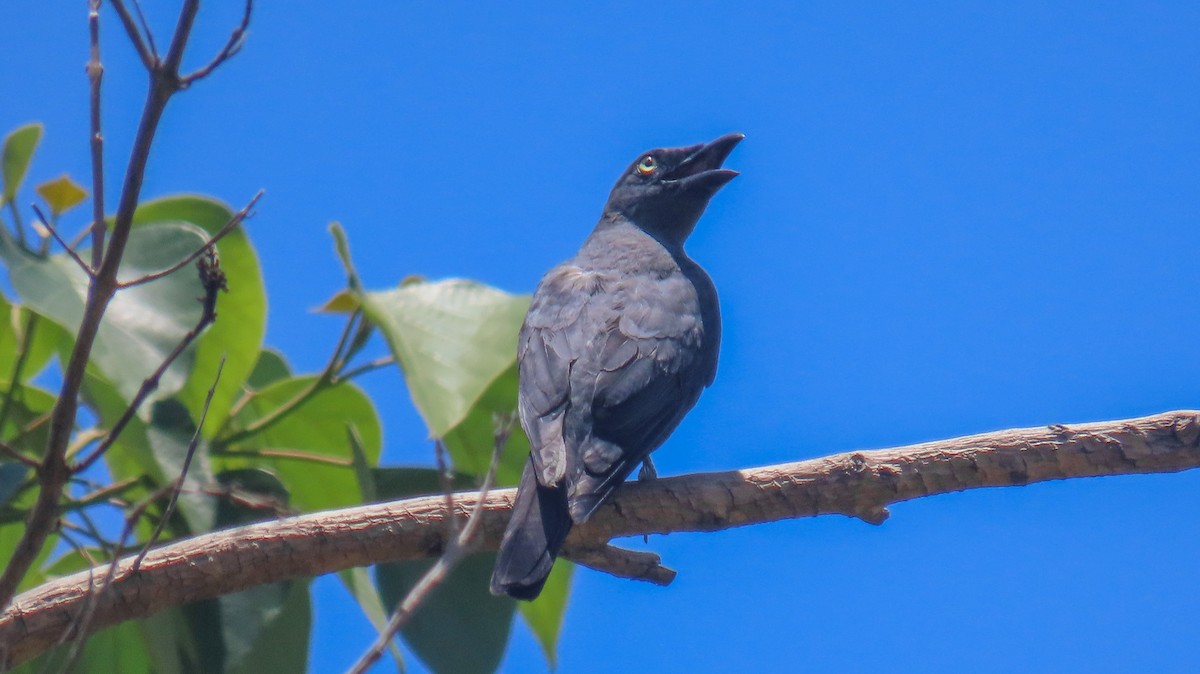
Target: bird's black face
(665, 191)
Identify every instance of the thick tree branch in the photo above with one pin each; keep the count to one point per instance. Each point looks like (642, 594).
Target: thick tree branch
(857, 484)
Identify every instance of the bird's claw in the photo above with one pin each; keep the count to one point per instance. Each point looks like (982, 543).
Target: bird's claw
(648, 471)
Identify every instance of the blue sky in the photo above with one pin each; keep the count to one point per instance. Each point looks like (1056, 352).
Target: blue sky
(952, 218)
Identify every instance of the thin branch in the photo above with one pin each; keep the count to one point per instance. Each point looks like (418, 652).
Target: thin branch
(95, 72)
(70, 251)
(179, 39)
(213, 281)
(225, 229)
(370, 366)
(13, 454)
(302, 396)
(83, 439)
(187, 462)
(459, 545)
(294, 454)
(232, 47)
(103, 493)
(149, 56)
(857, 484)
(137, 6)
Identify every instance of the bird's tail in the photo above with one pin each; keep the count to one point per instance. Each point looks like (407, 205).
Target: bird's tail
(540, 522)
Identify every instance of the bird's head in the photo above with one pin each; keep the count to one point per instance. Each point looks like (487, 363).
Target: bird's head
(665, 191)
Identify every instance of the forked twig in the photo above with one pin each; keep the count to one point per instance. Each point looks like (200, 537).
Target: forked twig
(236, 39)
(148, 56)
(213, 280)
(91, 273)
(228, 227)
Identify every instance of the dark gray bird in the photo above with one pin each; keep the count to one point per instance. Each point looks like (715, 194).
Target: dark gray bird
(617, 345)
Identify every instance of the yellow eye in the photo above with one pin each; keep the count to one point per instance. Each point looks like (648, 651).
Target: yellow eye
(647, 165)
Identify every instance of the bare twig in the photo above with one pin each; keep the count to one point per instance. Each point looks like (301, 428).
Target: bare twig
(55, 470)
(13, 454)
(70, 251)
(456, 548)
(95, 71)
(232, 47)
(83, 439)
(225, 229)
(323, 380)
(366, 367)
(187, 462)
(214, 281)
(137, 6)
(140, 43)
(294, 454)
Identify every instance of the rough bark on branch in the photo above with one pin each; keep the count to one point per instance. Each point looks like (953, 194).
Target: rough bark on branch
(857, 484)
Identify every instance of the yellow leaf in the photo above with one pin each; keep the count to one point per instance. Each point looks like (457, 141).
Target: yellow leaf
(62, 194)
(344, 302)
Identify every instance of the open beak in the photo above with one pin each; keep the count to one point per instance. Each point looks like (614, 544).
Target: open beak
(702, 168)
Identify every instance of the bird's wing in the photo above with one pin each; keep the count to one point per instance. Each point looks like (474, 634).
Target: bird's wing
(551, 340)
(609, 366)
(647, 376)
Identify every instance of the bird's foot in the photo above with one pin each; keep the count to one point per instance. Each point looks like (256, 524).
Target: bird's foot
(648, 471)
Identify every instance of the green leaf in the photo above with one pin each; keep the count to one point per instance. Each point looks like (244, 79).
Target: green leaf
(143, 324)
(241, 313)
(15, 157)
(471, 441)
(117, 649)
(270, 368)
(544, 615)
(12, 476)
(12, 524)
(358, 581)
(317, 428)
(121, 648)
(61, 194)
(362, 465)
(460, 627)
(452, 339)
(27, 405)
(169, 642)
(131, 456)
(19, 325)
(281, 641)
(341, 246)
(169, 434)
(394, 483)
(264, 628)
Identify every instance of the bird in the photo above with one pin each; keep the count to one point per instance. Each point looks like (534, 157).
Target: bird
(617, 345)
